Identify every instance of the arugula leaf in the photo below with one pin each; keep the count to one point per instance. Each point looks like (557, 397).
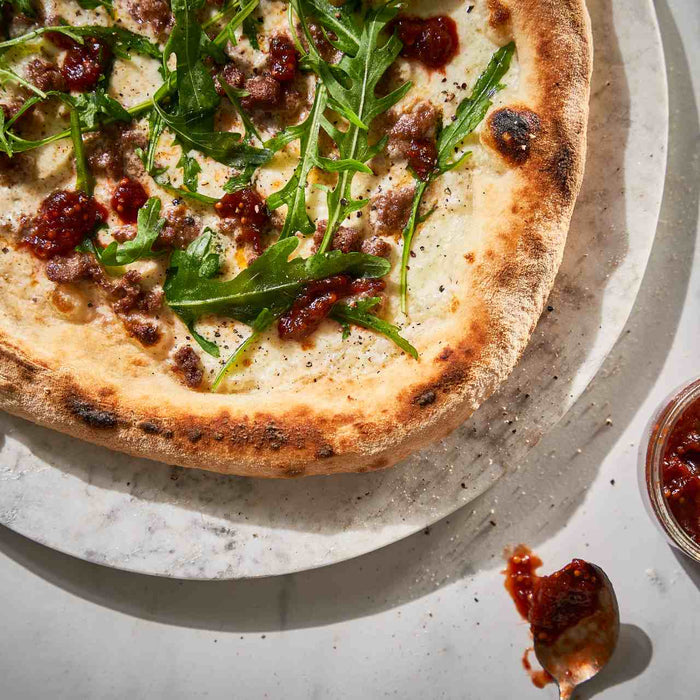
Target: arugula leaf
(193, 120)
(470, 112)
(241, 180)
(122, 41)
(148, 227)
(242, 17)
(223, 146)
(250, 29)
(339, 20)
(83, 180)
(271, 281)
(195, 86)
(24, 7)
(261, 323)
(234, 96)
(94, 4)
(190, 171)
(360, 315)
(7, 75)
(293, 194)
(196, 264)
(5, 145)
(353, 95)
(92, 106)
(159, 175)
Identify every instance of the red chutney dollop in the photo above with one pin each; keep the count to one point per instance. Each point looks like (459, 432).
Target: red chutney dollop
(317, 300)
(680, 474)
(64, 219)
(552, 604)
(432, 40)
(83, 64)
(128, 197)
(249, 210)
(562, 600)
(422, 156)
(283, 58)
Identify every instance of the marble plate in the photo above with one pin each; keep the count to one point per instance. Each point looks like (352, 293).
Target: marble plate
(143, 516)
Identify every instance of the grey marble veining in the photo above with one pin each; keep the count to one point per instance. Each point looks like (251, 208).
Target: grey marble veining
(143, 516)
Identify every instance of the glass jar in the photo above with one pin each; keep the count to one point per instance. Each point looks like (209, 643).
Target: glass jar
(651, 462)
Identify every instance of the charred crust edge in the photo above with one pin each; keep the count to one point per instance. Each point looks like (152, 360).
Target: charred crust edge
(90, 414)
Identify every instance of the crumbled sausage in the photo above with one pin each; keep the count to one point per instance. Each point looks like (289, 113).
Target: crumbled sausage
(21, 167)
(265, 93)
(145, 331)
(110, 151)
(72, 268)
(346, 239)
(232, 75)
(419, 123)
(376, 246)
(189, 366)
(180, 229)
(155, 13)
(128, 295)
(9, 109)
(328, 52)
(389, 211)
(45, 75)
(124, 233)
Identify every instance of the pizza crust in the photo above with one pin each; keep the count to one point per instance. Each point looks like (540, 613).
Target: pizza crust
(370, 421)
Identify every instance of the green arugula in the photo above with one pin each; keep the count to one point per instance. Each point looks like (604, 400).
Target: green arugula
(189, 267)
(239, 13)
(190, 171)
(470, 112)
(192, 122)
(160, 176)
(7, 75)
(242, 17)
(338, 20)
(360, 315)
(24, 7)
(351, 87)
(94, 106)
(250, 29)
(272, 281)
(148, 228)
(261, 323)
(122, 41)
(240, 180)
(94, 4)
(234, 95)
(84, 180)
(293, 194)
(224, 147)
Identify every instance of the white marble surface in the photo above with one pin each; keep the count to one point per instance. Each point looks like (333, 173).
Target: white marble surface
(137, 515)
(425, 617)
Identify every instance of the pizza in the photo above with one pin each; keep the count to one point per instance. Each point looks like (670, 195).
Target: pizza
(274, 238)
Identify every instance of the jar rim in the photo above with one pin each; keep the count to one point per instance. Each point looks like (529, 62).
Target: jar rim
(658, 432)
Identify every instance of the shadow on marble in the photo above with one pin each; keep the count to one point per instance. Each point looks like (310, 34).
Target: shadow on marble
(455, 470)
(631, 658)
(691, 568)
(472, 538)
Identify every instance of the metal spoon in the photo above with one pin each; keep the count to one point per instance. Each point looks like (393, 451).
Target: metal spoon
(582, 650)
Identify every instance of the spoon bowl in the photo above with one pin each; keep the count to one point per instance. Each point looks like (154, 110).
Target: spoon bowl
(583, 649)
